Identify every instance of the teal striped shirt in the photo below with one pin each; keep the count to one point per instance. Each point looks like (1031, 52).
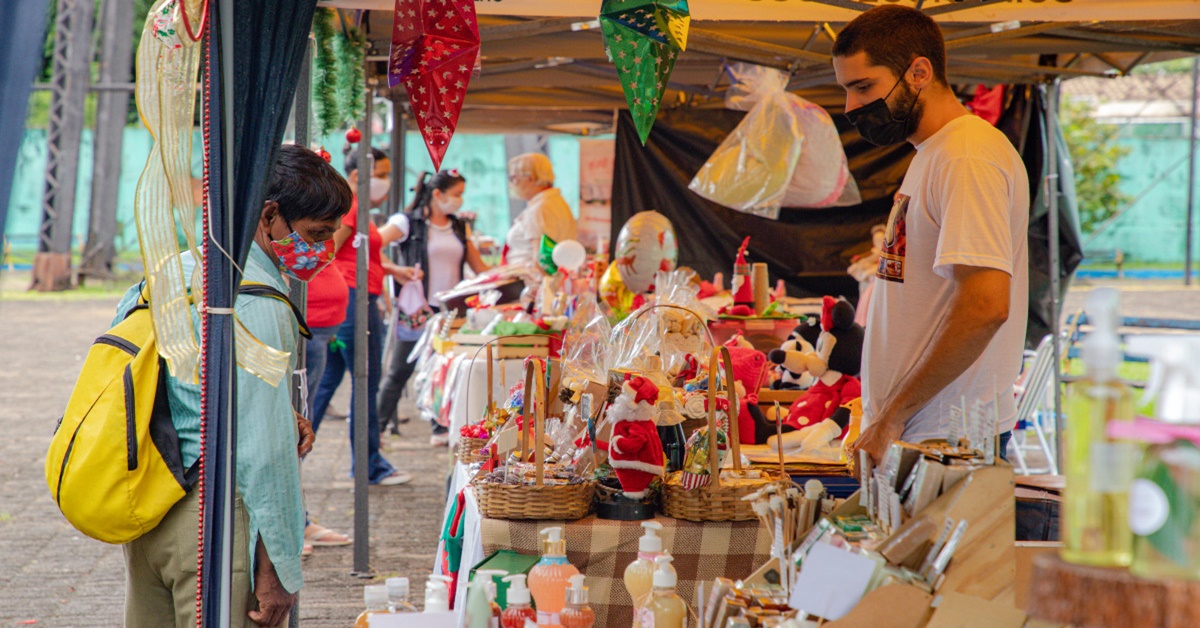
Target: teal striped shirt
(267, 471)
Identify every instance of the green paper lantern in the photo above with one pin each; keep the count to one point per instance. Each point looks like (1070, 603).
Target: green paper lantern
(643, 38)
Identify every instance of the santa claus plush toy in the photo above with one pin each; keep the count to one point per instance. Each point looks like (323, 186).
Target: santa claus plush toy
(635, 451)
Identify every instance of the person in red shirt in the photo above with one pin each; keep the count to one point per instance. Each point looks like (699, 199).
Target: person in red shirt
(340, 359)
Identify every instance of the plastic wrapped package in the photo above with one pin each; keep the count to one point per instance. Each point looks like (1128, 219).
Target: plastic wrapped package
(682, 333)
(786, 152)
(634, 341)
(586, 354)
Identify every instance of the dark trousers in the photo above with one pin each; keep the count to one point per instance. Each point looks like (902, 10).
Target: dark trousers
(398, 373)
(338, 363)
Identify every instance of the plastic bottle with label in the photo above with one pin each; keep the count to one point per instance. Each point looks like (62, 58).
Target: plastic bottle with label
(548, 579)
(639, 575)
(375, 598)
(1099, 470)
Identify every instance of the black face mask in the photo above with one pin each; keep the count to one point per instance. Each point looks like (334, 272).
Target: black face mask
(878, 125)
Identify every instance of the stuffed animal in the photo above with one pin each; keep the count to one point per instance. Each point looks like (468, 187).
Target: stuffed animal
(789, 358)
(750, 371)
(835, 363)
(635, 451)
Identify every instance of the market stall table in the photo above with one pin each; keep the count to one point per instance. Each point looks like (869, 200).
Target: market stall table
(601, 550)
(466, 384)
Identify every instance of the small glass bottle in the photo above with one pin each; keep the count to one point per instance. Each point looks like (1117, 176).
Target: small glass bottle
(397, 589)
(519, 611)
(437, 594)
(375, 598)
(577, 613)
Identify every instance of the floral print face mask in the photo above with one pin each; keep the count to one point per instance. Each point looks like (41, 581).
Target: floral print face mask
(300, 259)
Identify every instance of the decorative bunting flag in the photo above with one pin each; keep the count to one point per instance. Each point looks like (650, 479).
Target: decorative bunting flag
(643, 38)
(435, 46)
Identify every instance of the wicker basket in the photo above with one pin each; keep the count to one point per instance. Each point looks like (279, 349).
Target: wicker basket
(719, 500)
(467, 450)
(539, 500)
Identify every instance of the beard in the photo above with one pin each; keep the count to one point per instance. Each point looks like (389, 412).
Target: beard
(907, 104)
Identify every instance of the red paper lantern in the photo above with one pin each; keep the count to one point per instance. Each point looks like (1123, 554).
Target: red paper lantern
(435, 45)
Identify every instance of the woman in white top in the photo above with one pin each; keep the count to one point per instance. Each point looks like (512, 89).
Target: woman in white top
(531, 179)
(433, 236)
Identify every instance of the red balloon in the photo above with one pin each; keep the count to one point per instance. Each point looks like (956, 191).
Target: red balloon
(353, 136)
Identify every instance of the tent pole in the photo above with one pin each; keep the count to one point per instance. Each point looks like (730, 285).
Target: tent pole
(298, 290)
(1051, 188)
(362, 545)
(1191, 191)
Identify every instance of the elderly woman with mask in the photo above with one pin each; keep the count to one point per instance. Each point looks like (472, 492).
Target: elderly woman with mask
(531, 179)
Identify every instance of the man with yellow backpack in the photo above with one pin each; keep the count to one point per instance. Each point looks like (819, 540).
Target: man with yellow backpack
(89, 472)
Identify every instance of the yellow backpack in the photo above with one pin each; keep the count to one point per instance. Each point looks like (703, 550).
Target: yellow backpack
(114, 466)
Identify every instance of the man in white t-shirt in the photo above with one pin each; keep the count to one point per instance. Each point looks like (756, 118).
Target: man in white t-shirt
(946, 321)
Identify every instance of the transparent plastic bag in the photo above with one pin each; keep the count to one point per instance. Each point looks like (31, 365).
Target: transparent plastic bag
(750, 170)
(585, 353)
(786, 152)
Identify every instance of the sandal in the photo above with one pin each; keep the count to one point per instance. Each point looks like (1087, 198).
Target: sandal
(320, 536)
(307, 550)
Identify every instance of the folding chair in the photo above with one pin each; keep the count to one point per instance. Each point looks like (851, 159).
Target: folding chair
(1032, 413)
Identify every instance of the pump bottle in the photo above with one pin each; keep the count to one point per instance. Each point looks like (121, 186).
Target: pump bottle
(639, 575)
(1099, 470)
(479, 608)
(666, 609)
(577, 613)
(489, 578)
(549, 578)
(437, 594)
(519, 611)
(375, 597)
(397, 589)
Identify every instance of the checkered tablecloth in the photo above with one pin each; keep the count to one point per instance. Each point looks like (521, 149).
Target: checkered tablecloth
(601, 550)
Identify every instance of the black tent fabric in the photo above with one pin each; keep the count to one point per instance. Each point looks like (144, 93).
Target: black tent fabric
(22, 22)
(270, 39)
(810, 248)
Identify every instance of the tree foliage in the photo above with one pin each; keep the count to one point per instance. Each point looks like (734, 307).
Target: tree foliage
(1094, 153)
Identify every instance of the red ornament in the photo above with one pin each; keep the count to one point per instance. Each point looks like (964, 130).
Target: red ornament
(435, 44)
(325, 155)
(353, 136)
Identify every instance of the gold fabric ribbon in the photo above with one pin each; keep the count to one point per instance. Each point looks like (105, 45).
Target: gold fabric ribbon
(167, 65)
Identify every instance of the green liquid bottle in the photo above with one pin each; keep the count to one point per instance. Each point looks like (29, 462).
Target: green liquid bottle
(1099, 470)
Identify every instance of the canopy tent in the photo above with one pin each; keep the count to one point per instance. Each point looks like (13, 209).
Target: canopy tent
(544, 67)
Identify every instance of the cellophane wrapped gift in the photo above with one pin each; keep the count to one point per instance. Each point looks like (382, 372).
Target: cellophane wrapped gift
(786, 152)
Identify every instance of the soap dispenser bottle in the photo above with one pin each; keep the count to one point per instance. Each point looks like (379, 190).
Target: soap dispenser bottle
(375, 598)
(437, 594)
(1099, 470)
(639, 575)
(548, 579)
(577, 613)
(518, 611)
(666, 609)
(489, 578)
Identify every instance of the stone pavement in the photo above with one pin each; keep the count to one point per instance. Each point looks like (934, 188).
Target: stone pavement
(52, 575)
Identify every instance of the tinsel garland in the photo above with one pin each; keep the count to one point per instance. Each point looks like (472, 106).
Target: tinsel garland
(325, 83)
(351, 49)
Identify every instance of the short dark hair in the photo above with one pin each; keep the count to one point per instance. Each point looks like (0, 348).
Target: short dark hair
(442, 181)
(893, 36)
(306, 186)
(352, 157)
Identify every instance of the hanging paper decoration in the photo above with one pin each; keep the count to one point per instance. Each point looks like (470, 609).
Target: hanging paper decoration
(643, 38)
(435, 45)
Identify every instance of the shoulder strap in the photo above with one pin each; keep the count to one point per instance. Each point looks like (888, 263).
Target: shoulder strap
(255, 289)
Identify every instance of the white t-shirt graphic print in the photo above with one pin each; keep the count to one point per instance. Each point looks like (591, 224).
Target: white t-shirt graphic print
(964, 201)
